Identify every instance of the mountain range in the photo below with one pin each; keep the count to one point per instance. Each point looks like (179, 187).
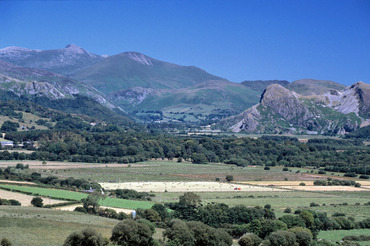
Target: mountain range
(152, 90)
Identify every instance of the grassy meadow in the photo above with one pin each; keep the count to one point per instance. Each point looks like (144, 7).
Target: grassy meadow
(158, 170)
(45, 227)
(336, 236)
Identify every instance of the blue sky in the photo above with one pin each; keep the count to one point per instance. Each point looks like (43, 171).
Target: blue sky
(235, 39)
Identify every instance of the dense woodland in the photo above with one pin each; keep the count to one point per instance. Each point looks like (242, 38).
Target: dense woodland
(107, 144)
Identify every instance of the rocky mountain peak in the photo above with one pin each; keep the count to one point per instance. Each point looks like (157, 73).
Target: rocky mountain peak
(73, 49)
(276, 91)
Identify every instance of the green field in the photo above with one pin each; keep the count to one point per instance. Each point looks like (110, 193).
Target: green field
(281, 200)
(64, 194)
(336, 236)
(185, 171)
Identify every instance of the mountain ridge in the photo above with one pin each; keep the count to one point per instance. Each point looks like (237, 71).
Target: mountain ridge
(142, 85)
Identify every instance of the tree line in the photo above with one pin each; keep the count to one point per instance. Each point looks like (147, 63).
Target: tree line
(108, 144)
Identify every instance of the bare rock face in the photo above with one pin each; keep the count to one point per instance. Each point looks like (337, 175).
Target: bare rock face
(363, 91)
(247, 121)
(44, 89)
(133, 96)
(355, 98)
(285, 103)
(20, 87)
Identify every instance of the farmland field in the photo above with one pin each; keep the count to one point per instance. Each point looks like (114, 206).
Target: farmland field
(64, 194)
(168, 171)
(24, 199)
(336, 236)
(168, 180)
(280, 200)
(184, 187)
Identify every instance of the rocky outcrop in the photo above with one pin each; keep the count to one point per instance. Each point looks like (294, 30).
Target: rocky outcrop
(133, 96)
(33, 88)
(285, 103)
(355, 98)
(283, 111)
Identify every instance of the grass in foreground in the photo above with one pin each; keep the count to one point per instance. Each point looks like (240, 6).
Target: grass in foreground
(45, 227)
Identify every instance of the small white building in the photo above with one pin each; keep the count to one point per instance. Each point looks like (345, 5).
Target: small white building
(7, 144)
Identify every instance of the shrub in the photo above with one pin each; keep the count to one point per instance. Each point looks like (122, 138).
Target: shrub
(5, 242)
(80, 209)
(357, 238)
(85, 237)
(319, 183)
(129, 232)
(250, 239)
(350, 174)
(302, 184)
(285, 169)
(303, 236)
(282, 238)
(229, 178)
(267, 168)
(37, 202)
(357, 185)
(337, 214)
(312, 204)
(287, 210)
(364, 176)
(14, 202)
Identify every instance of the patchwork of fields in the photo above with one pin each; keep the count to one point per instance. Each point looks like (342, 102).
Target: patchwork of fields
(166, 180)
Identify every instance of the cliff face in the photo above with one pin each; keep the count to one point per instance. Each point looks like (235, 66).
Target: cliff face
(285, 103)
(283, 111)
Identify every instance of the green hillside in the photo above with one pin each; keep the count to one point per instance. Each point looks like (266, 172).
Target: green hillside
(307, 87)
(133, 69)
(260, 85)
(206, 101)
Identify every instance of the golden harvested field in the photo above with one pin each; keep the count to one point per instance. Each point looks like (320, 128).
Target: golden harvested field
(62, 165)
(16, 182)
(325, 188)
(364, 183)
(184, 187)
(24, 199)
(277, 183)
